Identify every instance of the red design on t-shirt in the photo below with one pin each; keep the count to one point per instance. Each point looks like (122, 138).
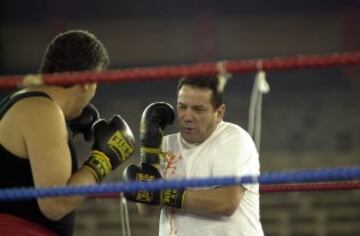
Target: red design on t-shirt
(170, 164)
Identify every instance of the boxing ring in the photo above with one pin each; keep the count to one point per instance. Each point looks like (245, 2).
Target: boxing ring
(326, 179)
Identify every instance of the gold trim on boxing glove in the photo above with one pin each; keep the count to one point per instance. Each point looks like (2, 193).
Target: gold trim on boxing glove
(152, 155)
(120, 145)
(172, 197)
(151, 150)
(143, 196)
(103, 160)
(93, 173)
(144, 177)
(99, 163)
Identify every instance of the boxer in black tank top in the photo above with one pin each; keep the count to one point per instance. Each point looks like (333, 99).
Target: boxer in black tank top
(10, 167)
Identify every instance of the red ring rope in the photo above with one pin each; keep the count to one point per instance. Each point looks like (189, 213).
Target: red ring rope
(174, 72)
(349, 185)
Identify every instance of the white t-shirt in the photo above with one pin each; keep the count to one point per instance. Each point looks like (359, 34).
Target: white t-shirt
(229, 151)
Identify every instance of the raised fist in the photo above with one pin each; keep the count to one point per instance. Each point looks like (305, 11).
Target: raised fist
(145, 173)
(114, 142)
(83, 123)
(154, 119)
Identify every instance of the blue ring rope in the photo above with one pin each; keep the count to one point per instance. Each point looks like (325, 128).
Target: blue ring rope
(297, 176)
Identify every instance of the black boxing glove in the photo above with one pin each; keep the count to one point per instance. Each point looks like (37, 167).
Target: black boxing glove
(83, 123)
(146, 172)
(114, 142)
(154, 119)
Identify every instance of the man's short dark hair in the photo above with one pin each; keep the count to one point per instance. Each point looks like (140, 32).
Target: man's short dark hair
(205, 82)
(74, 50)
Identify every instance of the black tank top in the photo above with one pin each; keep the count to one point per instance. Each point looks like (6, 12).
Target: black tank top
(11, 166)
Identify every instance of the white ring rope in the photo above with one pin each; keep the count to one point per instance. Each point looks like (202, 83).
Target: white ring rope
(260, 87)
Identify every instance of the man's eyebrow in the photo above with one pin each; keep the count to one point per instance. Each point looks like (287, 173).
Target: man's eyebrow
(181, 104)
(199, 106)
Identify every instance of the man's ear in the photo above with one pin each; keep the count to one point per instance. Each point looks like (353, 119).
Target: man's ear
(85, 87)
(82, 88)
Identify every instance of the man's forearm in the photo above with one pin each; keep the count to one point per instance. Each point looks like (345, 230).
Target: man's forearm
(219, 201)
(55, 208)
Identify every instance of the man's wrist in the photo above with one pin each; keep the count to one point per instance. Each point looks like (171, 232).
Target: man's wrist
(92, 172)
(99, 165)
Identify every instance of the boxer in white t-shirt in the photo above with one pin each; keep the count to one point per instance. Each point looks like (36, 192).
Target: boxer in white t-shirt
(206, 146)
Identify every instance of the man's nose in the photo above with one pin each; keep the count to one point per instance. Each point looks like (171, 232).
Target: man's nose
(188, 115)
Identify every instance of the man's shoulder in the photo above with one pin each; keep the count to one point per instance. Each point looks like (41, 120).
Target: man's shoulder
(232, 128)
(235, 135)
(230, 131)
